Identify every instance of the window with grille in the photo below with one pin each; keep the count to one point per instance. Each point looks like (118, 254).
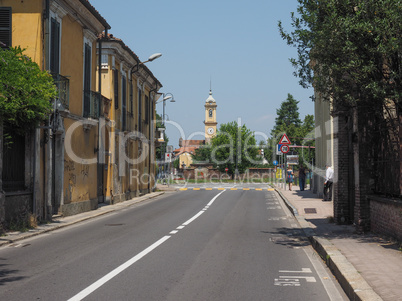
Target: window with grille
(5, 27)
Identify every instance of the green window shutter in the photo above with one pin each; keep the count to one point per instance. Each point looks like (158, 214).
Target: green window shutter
(5, 27)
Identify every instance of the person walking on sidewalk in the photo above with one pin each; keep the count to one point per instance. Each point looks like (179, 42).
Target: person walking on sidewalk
(329, 179)
(302, 177)
(289, 177)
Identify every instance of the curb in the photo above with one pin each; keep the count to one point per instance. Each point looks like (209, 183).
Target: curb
(57, 224)
(353, 284)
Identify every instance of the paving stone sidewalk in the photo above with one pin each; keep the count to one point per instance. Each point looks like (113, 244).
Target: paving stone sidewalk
(368, 266)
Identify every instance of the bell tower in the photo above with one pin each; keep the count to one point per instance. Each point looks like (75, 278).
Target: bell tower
(210, 117)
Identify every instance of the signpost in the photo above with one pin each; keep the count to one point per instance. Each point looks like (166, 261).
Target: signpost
(285, 149)
(284, 140)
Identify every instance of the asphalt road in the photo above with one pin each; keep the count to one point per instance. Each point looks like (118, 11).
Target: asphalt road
(189, 245)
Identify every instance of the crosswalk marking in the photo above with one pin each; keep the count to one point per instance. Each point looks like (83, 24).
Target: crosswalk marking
(223, 188)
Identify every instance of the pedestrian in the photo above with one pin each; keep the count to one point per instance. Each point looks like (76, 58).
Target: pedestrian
(329, 179)
(289, 177)
(302, 177)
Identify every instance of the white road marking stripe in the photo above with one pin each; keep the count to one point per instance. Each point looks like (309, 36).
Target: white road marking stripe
(174, 232)
(84, 293)
(308, 278)
(193, 218)
(213, 200)
(90, 289)
(180, 227)
(304, 270)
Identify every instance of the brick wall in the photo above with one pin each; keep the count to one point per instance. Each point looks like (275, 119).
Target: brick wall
(386, 216)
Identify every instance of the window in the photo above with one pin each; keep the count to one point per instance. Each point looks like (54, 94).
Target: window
(139, 110)
(124, 102)
(87, 79)
(116, 89)
(54, 46)
(104, 61)
(146, 109)
(131, 98)
(210, 113)
(5, 27)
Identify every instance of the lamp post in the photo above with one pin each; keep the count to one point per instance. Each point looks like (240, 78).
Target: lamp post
(135, 69)
(150, 59)
(165, 97)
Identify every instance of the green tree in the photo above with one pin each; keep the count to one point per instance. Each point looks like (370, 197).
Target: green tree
(287, 119)
(350, 50)
(202, 154)
(25, 91)
(306, 132)
(234, 147)
(161, 148)
(287, 115)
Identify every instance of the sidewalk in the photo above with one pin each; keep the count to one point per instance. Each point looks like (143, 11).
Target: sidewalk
(367, 266)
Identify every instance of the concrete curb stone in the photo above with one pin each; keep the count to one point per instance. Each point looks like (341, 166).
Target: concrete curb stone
(349, 278)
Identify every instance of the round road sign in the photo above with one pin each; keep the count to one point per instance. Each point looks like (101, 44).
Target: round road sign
(285, 148)
(226, 169)
(275, 163)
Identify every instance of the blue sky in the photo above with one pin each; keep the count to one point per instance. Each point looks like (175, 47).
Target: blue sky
(236, 43)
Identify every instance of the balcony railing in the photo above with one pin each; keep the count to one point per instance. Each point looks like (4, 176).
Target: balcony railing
(105, 107)
(63, 89)
(96, 105)
(91, 104)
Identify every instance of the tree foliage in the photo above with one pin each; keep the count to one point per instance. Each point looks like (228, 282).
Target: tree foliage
(287, 117)
(233, 147)
(350, 50)
(300, 133)
(25, 90)
(160, 149)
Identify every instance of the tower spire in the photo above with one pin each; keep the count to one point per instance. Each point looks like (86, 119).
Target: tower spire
(210, 85)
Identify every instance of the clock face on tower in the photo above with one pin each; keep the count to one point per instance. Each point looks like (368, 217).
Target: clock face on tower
(210, 131)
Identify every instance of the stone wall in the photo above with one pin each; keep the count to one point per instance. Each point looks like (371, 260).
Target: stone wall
(386, 216)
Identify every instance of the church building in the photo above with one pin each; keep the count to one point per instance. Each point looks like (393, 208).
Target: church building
(187, 147)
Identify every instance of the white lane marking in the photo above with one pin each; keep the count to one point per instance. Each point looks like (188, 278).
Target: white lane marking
(193, 218)
(85, 292)
(215, 197)
(90, 289)
(180, 227)
(304, 270)
(308, 278)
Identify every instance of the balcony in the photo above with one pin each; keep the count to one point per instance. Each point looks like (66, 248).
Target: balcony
(96, 105)
(91, 104)
(105, 107)
(63, 89)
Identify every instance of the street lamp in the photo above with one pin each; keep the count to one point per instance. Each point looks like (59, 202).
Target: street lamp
(150, 59)
(165, 97)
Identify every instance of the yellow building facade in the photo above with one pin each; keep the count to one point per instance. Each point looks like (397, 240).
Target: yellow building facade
(84, 153)
(130, 129)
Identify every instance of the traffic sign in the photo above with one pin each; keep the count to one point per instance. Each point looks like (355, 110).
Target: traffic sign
(168, 157)
(275, 163)
(285, 148)
(226, 169)
(278, 149)
(284, 140)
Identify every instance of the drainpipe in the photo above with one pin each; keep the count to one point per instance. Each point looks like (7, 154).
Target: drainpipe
(151, 139)
(100, 141)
